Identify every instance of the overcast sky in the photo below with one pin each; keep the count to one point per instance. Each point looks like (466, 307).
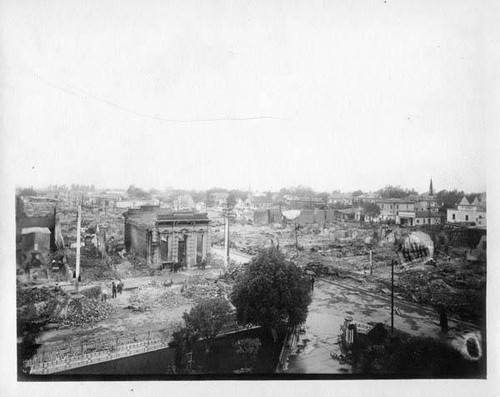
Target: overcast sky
(237, 94)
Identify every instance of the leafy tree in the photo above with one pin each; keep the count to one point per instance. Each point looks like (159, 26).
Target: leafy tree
(136, 192)
(198, 195)
(449, 199)
(303, 191)
(395, 192)
(239, 194)
(271, 292)
(323, 195)
(207, 319)
(371, 210)
(357, 193)
(472, 196)
(247, 349)
(231, 200)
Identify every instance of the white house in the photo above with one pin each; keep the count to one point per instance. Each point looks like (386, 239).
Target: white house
(468, 212)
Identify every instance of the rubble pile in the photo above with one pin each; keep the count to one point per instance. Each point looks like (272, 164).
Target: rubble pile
(93, 268)
(155, 294)
(321, 269)
(199, 288)
(84, 311)
(38, 304)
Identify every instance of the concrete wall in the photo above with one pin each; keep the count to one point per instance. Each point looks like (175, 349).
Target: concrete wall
(37, 221)
(138, 240)
(261, 217)
(306, 217)
(36, 241)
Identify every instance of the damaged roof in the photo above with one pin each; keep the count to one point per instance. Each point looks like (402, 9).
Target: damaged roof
(148, 219)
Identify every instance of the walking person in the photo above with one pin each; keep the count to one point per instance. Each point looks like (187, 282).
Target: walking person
(312, 283)
(113, 289)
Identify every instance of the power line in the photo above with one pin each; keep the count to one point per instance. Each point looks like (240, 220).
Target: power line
(73, 91)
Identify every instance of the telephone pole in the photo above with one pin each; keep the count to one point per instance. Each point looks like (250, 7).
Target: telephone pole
(77, 268)
(392, 297)
(227, 214)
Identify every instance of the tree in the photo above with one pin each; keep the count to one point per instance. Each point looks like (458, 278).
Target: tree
(449, 199)
(207, 319)
(137, 192)
(231, 200)
(357, 193)
(372, 210)
(394, 192)
(323, 195)
(271, 292)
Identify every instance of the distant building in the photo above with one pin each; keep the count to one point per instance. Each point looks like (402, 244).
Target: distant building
(309, 202)
(366, 198)
(218, 199)
(104, 200)
(474, 212)
(341, 199)
(183, 202)
(348, 214)
(166, 237)
(426, 218)
(258, 202)
(137, 203)
(393, 209)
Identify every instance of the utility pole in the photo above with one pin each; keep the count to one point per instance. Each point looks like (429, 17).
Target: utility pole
(371, 262)
(227, 214)
(77, 269)
(326, 213)
(392, 297)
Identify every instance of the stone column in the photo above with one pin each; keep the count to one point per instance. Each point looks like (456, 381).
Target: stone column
(203, 237)
(175, 246)
(195, 247)
(189, 250)
(169, 245)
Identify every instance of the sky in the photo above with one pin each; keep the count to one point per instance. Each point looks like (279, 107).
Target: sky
(246, 94)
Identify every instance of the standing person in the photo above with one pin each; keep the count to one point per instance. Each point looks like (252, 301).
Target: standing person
(443, 319)
(113, 289)
(312, 283)
(120, 287)
(104, 293)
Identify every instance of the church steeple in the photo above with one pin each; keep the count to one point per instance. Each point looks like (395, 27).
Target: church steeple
(431, 190)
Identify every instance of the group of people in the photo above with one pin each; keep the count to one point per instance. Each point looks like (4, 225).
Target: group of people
(177, 266)
(116, 288)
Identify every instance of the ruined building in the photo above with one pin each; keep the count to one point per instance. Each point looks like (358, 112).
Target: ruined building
(163, 237)
(38, 229)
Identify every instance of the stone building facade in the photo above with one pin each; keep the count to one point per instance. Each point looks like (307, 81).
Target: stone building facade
(164, 238)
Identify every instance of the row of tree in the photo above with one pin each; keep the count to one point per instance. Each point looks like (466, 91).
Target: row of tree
(445, 198)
